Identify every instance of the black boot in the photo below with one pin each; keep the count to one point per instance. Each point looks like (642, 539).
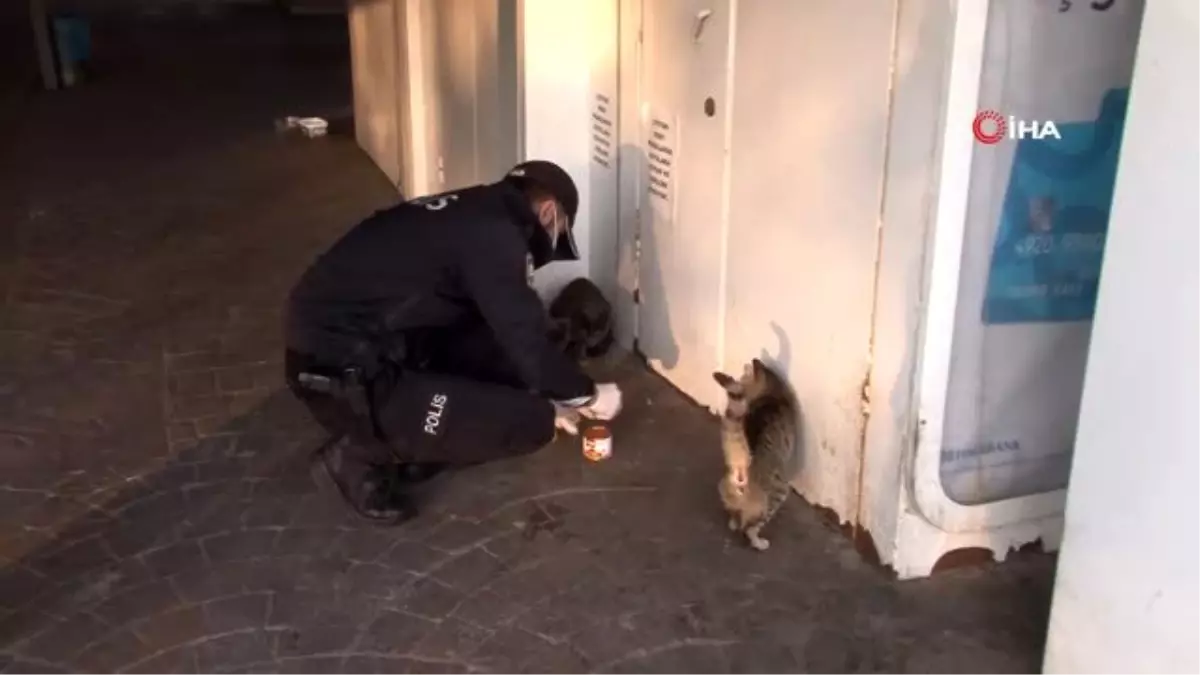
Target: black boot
(412, 473)
(371, 491)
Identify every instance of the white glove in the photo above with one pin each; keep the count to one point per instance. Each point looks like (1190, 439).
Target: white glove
(566, 419)
(605, 405)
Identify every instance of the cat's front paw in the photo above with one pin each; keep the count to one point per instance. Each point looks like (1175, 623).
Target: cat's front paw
(760, 544)
(734, 524)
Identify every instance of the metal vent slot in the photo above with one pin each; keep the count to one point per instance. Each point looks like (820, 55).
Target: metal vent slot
(662, 159)
(602, 131)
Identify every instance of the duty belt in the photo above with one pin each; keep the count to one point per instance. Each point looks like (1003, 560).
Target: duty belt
(350, 386)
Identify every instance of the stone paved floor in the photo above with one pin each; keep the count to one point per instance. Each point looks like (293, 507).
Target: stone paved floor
(154, 510)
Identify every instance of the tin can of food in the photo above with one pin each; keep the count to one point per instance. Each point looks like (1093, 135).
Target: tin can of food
(597, 442)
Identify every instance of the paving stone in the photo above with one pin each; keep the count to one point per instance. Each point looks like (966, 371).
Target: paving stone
(18, 586)
(236, 649)
(312, 542)
(218, 470)
(386, 664)
(254, 543)
(369, 580)
(155, 510)
(396, 633)
(368, 545)
(112, 652)
(318, 638)
(65, 638)
(457, 534)
(512, 650)
(138, 602)
(205, 582)
(298, 608)
(181, 660)
(487, 608)
(175, 558)
(314, 664)
(237, 613)
(428, 597)
(131, 538)
(453, 640)
(73, 559)
(412, 556)
(173, 628)
(28, 667)
(267, 512)
(470, 570)
(194, 383)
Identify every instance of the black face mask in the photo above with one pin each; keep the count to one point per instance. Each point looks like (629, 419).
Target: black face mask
(541, 247)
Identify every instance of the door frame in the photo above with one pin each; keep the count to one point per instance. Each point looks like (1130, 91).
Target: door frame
(635, 111)
(410, 78)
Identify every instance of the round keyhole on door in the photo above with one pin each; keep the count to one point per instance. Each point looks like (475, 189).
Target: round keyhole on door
(710, 106)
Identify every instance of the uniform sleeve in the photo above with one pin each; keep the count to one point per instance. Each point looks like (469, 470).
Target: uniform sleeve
(492, 269)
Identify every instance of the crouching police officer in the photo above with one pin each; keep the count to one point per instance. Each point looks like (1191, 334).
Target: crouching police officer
(417, 342)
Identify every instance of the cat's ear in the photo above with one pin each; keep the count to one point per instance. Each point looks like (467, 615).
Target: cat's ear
(724, 380)
(757, 366)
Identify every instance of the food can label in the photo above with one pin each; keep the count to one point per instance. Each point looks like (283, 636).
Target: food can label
(597, 449)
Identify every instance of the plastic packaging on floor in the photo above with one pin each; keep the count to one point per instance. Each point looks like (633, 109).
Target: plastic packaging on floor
(312, 127)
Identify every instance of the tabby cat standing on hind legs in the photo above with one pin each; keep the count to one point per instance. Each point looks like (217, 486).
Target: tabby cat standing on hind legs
(759, 436)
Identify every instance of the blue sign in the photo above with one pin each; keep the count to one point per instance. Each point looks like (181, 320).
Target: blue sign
(1050, 244)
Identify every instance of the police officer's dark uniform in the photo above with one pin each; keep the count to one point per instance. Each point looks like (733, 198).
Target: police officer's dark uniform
(418, 340)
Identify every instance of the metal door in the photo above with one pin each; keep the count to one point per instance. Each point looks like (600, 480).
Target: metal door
(685, 47)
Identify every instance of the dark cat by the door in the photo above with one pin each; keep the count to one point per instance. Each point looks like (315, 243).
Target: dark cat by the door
(581, 320)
